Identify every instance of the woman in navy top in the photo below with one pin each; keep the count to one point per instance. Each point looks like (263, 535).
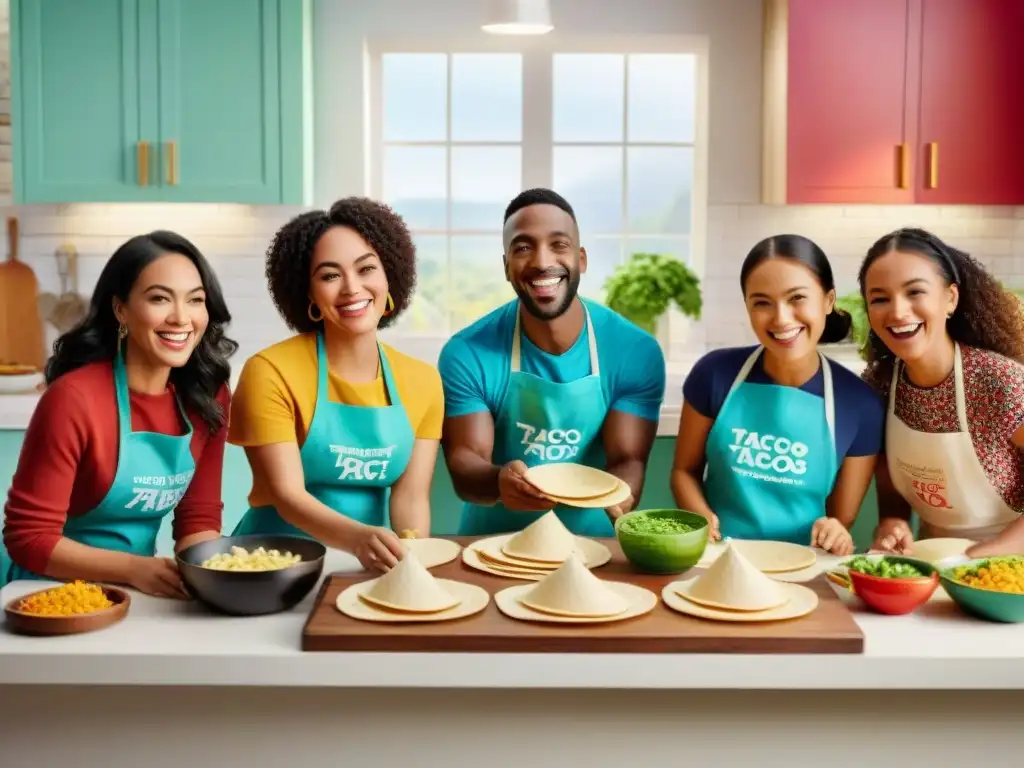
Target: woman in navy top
(775, 441)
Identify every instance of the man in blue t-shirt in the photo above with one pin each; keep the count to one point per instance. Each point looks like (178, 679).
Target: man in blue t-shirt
(548, 377)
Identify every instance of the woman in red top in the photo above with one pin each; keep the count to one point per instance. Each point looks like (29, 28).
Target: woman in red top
(131, 427)
(946, 348)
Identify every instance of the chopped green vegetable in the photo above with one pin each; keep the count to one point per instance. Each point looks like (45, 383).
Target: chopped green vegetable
(885, 568)
(657, 525)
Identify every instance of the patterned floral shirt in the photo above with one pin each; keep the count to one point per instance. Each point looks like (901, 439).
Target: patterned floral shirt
(994, 390)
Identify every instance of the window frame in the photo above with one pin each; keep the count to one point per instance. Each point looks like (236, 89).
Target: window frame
(675, 332)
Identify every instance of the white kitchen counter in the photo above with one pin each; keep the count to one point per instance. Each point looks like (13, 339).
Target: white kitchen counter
(173, 685)
(170, 643)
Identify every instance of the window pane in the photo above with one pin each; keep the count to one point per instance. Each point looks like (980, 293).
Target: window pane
(603, 256)
(428, 311)
(588, 96)
(662, 97)
(678, 247)
(478, 278)
(487, 97)
(590, 178)
(414, 185)
(414, 91)
(484, 180)
(660, 185)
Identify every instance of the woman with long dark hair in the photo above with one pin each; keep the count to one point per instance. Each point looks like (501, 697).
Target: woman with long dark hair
(131, 427)
(775, 441)
(946, 347)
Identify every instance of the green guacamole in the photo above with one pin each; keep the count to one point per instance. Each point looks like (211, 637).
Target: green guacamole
(655, 525)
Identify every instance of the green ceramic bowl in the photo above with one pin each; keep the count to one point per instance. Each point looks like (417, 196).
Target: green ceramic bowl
(986, 604)
(663, 552)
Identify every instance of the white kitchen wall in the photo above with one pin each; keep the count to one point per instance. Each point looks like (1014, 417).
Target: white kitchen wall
(235, 237)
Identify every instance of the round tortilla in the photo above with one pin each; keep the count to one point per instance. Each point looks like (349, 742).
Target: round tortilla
(433, 552)
(571, 481)
(472, 600)
(802, 601)
(641, 601)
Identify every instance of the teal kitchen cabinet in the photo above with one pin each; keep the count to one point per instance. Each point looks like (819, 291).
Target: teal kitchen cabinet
(161, 101)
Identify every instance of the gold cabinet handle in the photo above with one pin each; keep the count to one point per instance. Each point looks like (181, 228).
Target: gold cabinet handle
(903, 157)
(143, 161)
(933, 165)
(172, 163)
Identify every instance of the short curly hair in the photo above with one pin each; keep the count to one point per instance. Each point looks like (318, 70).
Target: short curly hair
(292, 248)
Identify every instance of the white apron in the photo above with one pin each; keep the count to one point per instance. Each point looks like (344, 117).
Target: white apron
(940, 474)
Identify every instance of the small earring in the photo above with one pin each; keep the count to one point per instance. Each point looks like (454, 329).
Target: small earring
(389, 305)
(309, 313)
(122, 331)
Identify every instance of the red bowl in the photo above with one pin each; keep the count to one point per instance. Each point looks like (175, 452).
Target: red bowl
(894, 597)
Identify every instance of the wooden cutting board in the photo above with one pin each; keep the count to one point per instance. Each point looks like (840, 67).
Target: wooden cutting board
(829, 629)
(21, 329)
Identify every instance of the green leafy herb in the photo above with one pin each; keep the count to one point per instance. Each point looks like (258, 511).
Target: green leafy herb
(642, 289)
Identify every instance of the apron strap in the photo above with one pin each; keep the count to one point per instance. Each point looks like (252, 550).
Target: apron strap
(124, 403)
(829, 393)
(830, 400)
(595, 367)
(322, 373)
(958, 386)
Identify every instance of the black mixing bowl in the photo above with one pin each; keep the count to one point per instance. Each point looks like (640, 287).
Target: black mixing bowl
(251, 593)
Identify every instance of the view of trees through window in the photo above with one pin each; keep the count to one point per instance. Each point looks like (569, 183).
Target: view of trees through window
(460, 134)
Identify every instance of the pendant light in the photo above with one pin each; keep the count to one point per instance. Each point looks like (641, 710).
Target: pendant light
(518, 17)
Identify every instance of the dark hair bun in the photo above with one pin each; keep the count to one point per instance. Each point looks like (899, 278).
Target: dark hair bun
(838, 325)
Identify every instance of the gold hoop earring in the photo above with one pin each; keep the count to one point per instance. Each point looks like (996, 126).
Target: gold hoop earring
(389, 305)
(309, 313)
(122, 331)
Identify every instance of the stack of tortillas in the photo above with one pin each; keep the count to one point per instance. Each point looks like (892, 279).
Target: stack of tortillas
(577, 485)
(409, 592)
(782, 560)
(536, 551)
(733, 589)
(572, 594)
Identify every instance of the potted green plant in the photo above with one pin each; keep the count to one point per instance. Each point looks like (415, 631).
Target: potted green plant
(642, 289)
(853, 303)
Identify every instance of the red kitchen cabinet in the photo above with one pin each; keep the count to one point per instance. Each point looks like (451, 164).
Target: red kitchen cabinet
(970, 147)
(894, 101)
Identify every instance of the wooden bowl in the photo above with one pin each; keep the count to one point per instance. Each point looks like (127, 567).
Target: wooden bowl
(33, 624)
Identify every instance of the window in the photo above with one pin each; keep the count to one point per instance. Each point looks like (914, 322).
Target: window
(458, 133)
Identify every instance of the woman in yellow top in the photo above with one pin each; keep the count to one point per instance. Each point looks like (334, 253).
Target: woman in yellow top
(332, 421)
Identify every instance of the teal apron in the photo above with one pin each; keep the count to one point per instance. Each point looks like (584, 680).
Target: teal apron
(351, 457)
(153, 472)
(543, 422)
(771, 459)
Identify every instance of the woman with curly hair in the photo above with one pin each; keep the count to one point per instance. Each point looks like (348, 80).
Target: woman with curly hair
(946, 347)
(331, 419)
(131, 427)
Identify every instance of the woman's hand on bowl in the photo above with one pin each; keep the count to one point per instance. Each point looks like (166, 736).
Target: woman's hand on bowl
(829, 534)
(157, 576)
(714, 534)
(614, 513)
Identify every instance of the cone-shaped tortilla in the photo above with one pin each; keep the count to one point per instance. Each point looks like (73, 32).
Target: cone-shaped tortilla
(410, 587)
(733, 583)
(573, 590)
(545, 539)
